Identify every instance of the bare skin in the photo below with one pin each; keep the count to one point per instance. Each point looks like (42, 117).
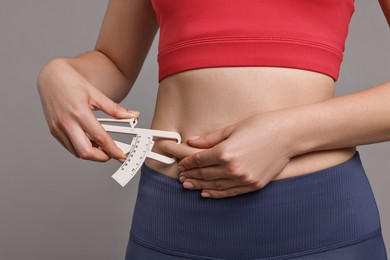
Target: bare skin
(254, 125)
(202, 101)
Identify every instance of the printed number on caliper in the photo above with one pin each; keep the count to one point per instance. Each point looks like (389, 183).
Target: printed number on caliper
(139, 148)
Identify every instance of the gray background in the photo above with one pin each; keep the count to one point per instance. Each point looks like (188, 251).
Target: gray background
(54, 206)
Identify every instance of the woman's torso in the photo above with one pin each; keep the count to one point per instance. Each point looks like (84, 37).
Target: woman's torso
(197, 102)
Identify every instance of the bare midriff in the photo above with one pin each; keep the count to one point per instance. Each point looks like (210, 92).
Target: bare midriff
(198, 102)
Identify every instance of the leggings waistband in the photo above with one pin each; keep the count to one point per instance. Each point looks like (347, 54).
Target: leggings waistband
(319, 211)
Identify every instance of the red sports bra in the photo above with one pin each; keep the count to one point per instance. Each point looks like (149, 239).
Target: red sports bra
(303, 34)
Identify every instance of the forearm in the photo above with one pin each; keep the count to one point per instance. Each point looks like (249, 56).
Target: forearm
(100, 71)
(346, 121)
(385, 4)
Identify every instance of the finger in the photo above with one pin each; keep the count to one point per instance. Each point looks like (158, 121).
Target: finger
(178, 150)
(65, 142)
(204, 158)
(93, 143)
(231, 192)
(112, 108)
(97, 134)
(218, 184)
(210, 140)
(206, 173)
(62, 138)
(83, 145)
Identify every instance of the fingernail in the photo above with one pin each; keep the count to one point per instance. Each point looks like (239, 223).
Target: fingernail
(181, 168)
(205, 195)
(123, 156)
(188, 185)
(135, 113)
(122, 160)
(182, 179)
(194, 138)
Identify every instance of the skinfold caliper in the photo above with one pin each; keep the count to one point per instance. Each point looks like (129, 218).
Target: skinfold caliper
(140, 147)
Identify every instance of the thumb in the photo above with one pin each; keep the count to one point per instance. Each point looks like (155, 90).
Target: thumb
(210, 140)
(112, 108)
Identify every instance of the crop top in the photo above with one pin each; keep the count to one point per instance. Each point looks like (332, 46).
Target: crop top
(303, 34)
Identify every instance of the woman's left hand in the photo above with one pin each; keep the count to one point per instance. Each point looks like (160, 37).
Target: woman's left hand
(241, 158)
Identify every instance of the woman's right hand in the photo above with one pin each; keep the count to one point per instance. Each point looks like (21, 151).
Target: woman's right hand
(68, 100)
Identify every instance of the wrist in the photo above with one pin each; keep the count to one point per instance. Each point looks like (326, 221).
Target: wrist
(49, 71)
(293, 129)
(281, 128)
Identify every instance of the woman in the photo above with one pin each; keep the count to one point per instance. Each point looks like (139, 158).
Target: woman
(268, 163)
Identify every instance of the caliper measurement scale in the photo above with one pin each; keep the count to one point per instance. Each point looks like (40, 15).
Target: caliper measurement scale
(140, 147)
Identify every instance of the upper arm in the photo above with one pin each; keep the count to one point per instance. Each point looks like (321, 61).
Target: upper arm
(385, 4)
(127, 32)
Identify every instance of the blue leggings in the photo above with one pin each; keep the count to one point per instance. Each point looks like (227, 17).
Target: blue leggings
(370, 249)
(328, 214)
